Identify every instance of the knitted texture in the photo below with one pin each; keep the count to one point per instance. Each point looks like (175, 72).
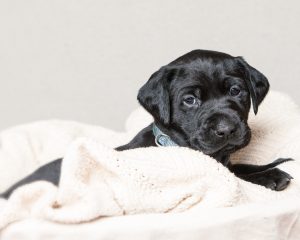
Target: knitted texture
(97, 181)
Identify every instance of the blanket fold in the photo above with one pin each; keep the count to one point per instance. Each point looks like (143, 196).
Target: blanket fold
(97, 181)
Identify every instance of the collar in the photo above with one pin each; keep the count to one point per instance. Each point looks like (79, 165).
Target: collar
(161, 139)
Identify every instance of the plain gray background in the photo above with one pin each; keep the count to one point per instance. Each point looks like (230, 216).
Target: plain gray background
(85, 60)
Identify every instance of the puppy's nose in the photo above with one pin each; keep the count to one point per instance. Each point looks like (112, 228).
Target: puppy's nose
(225, 129)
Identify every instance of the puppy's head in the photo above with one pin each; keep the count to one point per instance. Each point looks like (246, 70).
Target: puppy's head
(202, 100)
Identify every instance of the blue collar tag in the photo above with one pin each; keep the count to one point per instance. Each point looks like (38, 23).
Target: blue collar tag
(161, 139)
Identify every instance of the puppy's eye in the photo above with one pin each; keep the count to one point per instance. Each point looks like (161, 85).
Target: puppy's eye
(190, 100)
(234, 91)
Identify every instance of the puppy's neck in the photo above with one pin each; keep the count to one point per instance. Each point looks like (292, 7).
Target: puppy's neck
(162, 139)
(174, 132)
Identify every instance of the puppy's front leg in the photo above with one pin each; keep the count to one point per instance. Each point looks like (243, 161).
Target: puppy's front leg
(265, 175)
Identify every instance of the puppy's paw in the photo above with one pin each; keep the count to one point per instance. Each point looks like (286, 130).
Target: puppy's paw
(273, 178)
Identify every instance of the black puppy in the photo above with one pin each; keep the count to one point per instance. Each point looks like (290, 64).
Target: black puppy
(201, 101)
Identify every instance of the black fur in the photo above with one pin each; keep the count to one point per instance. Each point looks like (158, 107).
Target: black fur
(201, 100)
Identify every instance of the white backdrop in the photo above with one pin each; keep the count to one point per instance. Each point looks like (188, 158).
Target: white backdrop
(85, 60)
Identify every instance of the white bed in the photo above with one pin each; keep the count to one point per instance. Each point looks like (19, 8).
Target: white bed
(276, 133)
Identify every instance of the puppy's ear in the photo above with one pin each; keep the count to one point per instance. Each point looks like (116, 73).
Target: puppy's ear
(257, 83)
(154, 95)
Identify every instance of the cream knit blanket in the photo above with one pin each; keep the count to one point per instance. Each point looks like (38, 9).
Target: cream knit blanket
(97, 181)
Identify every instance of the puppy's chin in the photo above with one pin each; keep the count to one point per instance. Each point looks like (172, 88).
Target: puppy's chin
(222, 155)
(221, 152)
(208, 149)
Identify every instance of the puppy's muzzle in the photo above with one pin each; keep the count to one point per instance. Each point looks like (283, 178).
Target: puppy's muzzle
(221, 129)
(224, 129)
